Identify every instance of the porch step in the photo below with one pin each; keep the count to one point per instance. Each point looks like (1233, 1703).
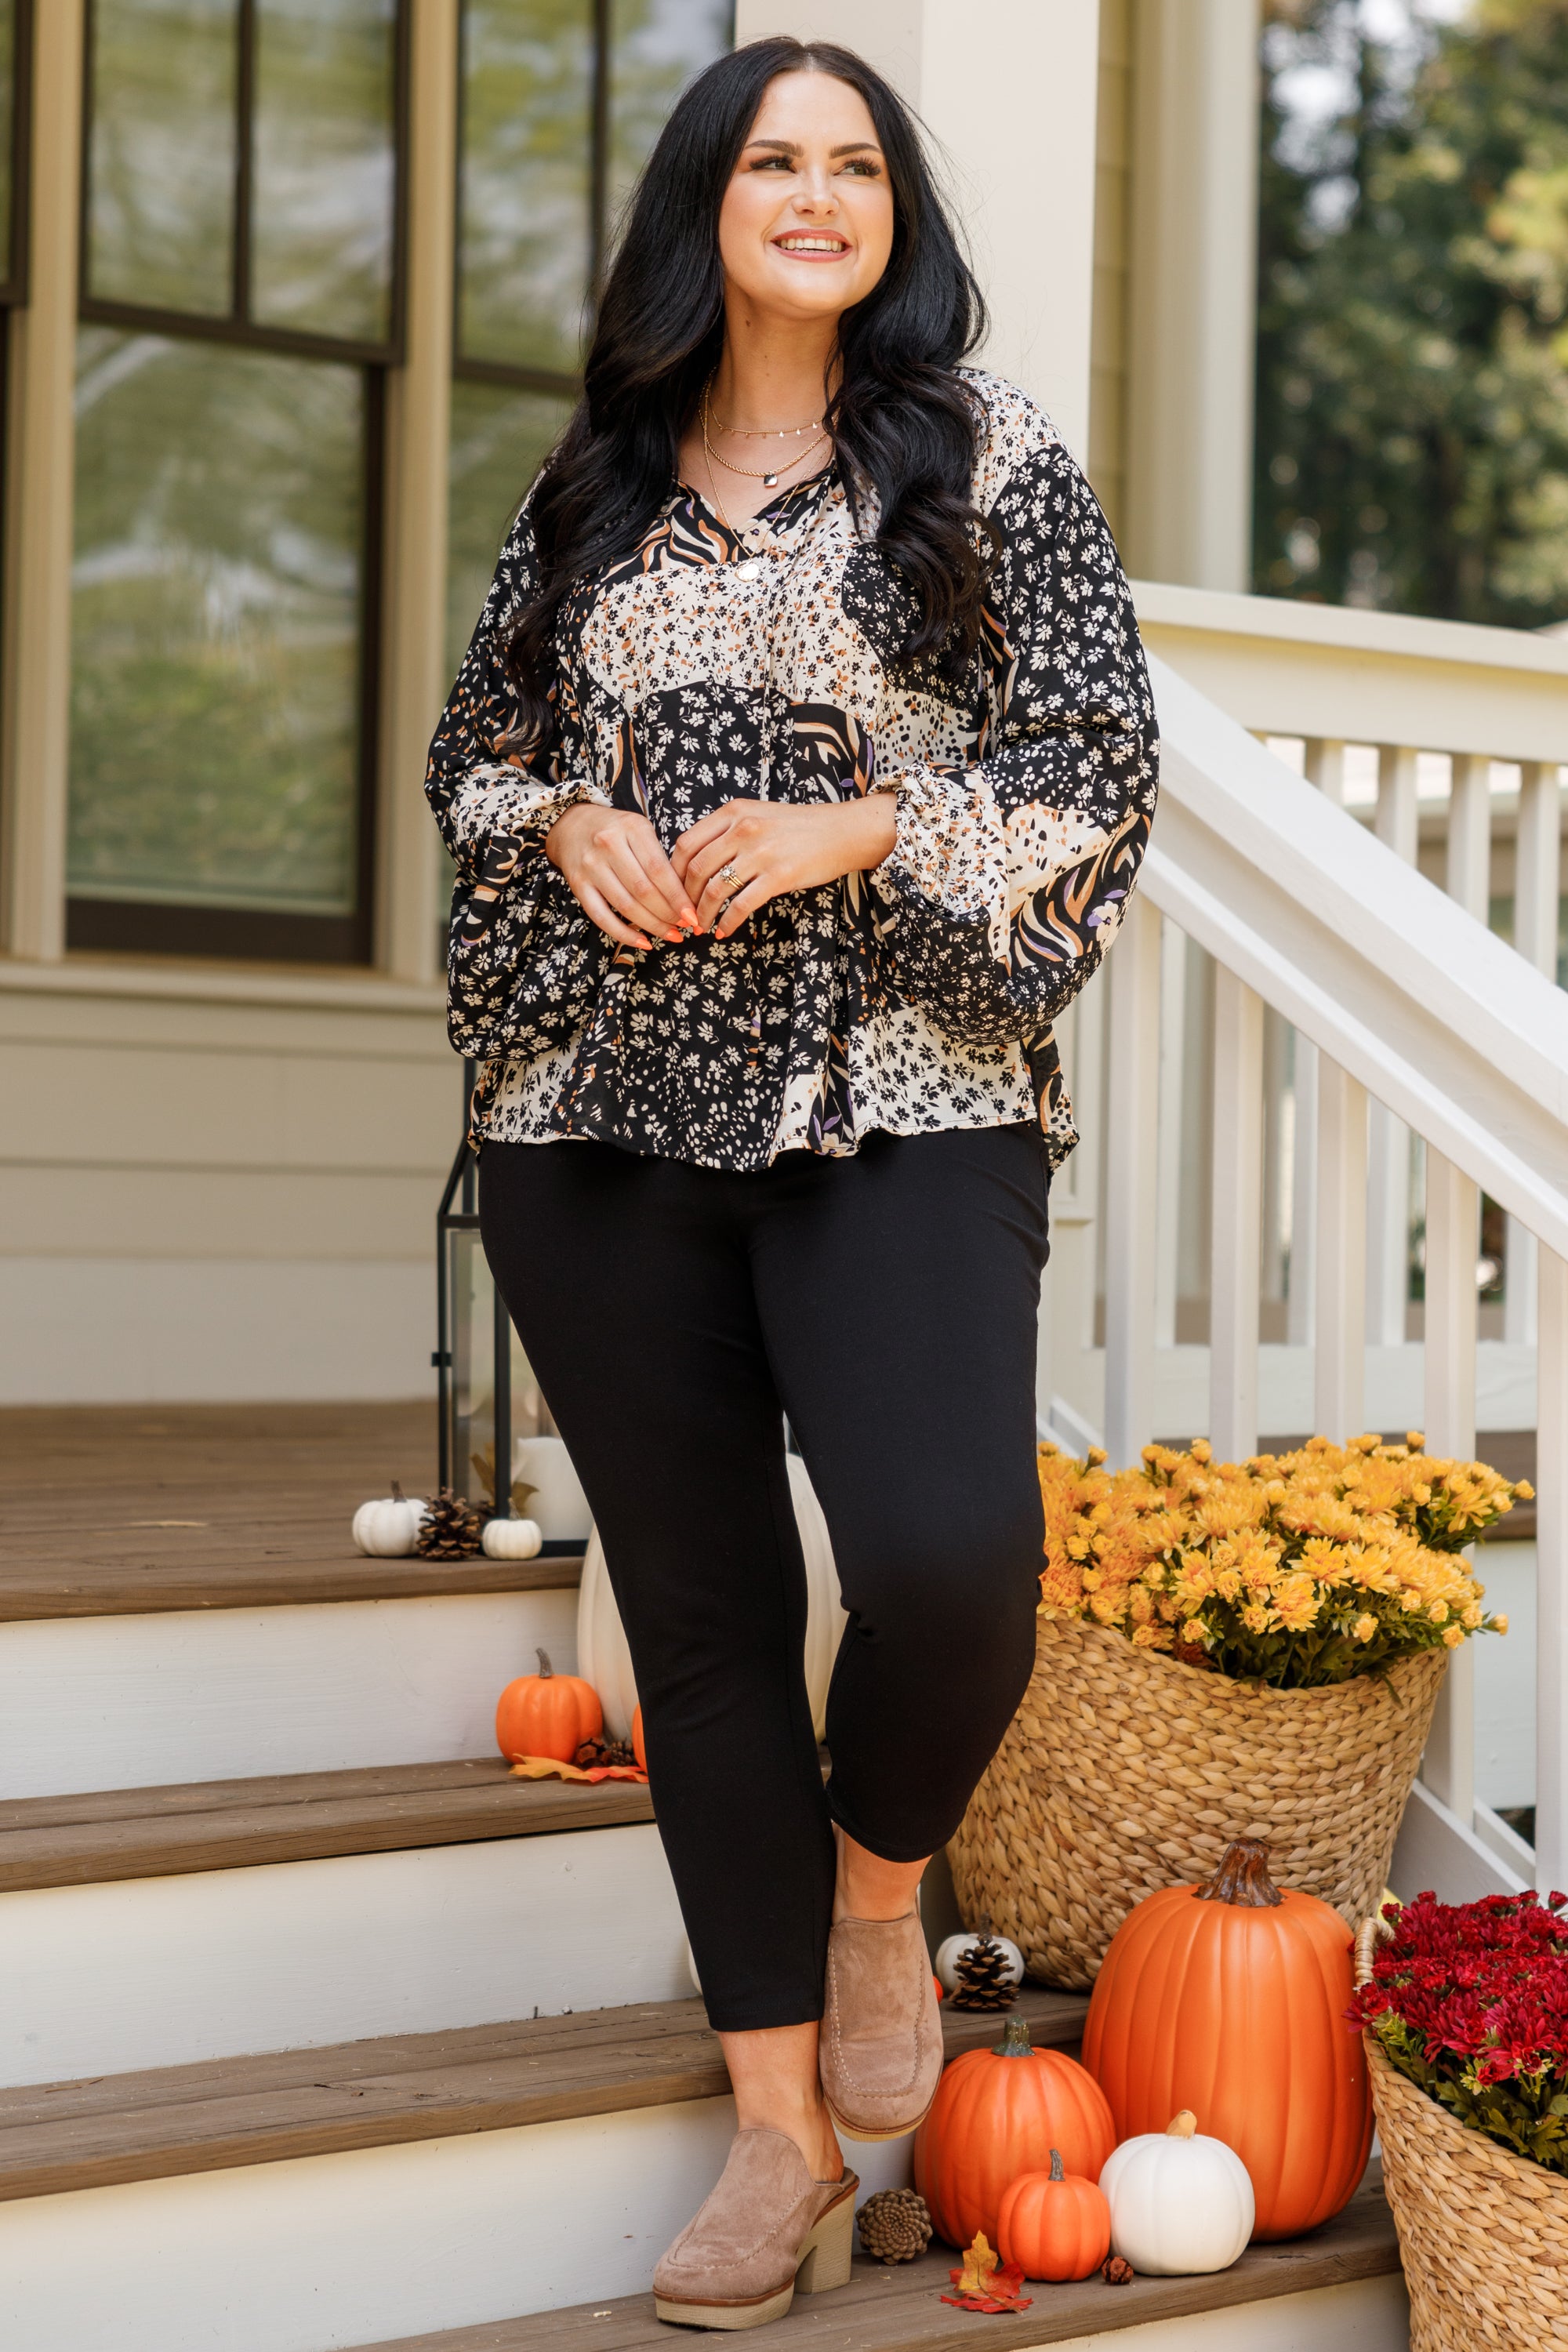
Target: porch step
(170, 1829)
(169, 1926)
(1340, 2286)
(63, 2137)
(130, 1702)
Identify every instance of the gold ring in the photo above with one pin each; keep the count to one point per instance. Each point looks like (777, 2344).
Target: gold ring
(728, 874)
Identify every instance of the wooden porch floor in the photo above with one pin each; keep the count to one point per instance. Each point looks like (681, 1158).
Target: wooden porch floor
(106, 1509)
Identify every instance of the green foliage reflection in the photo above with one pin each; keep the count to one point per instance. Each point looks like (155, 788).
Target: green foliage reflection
(325, 73)
(527, 180)
(161, 199)
(216, 625)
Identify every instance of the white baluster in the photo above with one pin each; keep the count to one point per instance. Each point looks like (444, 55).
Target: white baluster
(1301, 1301)
(1132, 1174)
(1172, 1097)
(1551, 1577)
(1339, 1372)
(1453, 1225)
(1388, 1139)
(1237, 1209)
(1323, 765)
(1467, 878)
(1537, 879)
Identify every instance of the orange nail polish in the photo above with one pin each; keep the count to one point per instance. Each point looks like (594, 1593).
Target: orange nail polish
(673, 936)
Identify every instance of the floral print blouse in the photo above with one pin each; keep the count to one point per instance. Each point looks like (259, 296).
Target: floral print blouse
(760, 662)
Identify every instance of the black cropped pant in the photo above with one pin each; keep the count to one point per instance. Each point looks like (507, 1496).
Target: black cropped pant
(887, 1304)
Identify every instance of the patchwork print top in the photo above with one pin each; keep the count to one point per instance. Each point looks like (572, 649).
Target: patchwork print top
(760, 662)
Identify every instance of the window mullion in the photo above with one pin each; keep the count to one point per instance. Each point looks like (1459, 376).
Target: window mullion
(244, 155)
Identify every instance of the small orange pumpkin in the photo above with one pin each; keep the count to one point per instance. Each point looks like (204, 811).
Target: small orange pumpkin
(547, 1713)
(1229, 1998)
(998, 2113)
(1054, 2224)
(638, 1750)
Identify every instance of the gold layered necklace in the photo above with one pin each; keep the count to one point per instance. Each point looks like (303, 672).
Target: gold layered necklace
(767, 475)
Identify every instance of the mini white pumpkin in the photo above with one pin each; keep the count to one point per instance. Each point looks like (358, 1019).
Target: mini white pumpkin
(603, 1658)
(951, 1949)
(388, 1528)
(509, 1538)
(1180, 2202)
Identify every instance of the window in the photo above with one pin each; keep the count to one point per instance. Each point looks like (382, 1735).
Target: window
(563, 100)
(240, 309)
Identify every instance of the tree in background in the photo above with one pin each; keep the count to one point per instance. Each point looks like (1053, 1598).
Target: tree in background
(1413, 331)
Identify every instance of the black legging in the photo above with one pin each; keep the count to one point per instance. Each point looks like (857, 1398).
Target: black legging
(887, 1304)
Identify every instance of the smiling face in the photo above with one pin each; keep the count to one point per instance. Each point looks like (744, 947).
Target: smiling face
(806, 225)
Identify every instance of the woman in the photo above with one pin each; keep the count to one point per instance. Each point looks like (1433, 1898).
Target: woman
(796, 777)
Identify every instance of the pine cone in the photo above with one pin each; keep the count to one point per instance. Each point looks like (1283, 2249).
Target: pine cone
(594, 1753)
(449, 1529)
(984, 1975)
(1116, 2272)
(895, 2225)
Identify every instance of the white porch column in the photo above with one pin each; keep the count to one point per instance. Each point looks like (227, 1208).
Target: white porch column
(1191, 326)
(34, 694)
(1010, 92)
(417, 430)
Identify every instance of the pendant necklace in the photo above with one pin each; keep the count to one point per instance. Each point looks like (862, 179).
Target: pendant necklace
(768, 476)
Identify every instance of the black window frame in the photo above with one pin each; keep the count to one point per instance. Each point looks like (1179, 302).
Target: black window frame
(169, 926)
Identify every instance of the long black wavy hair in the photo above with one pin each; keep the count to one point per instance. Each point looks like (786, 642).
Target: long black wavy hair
(905, 427)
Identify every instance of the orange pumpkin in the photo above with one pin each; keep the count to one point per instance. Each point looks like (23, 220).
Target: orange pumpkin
(1229, 1998)
(1054, 2224)
(998, 2113)
(547, 1713)
(638, 1750)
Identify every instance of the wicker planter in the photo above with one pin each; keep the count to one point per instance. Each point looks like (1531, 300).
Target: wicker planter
(1123, 1771)
(1483, 2233)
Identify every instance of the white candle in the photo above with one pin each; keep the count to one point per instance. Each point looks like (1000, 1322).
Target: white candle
(558, 1504)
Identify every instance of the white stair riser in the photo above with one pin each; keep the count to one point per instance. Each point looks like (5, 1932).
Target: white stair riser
(166, 1971)
(349, 2250)
(225, 1694)
(1366, 2315)
(337, 2250)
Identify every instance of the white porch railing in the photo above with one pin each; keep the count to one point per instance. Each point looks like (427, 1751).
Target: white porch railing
(1407, 1018)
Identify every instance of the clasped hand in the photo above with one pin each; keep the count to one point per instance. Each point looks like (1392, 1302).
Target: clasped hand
(721, 870)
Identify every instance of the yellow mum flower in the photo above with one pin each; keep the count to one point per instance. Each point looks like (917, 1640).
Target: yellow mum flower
(1453, 1635)
(1365, 1626)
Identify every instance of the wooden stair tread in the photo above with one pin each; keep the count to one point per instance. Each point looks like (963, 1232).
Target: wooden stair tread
(115, 1510)
(258, 2110)
(901, 2310)
(294, 1817)
(148, 1582)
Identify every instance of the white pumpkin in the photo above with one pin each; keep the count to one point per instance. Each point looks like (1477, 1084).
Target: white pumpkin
(388, 1528)
(510, 1539)
(604, 1659)
(949, 1950)
(557, 1503)
(1180, 2202)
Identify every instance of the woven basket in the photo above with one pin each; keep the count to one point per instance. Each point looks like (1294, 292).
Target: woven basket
(1123, 1771)
(1483, 2233)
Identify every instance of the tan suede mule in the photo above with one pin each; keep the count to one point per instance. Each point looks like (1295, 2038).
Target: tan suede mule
(767, 2228)
(881, 2029)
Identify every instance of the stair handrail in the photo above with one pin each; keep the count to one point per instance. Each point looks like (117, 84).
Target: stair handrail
(1435, 1016)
